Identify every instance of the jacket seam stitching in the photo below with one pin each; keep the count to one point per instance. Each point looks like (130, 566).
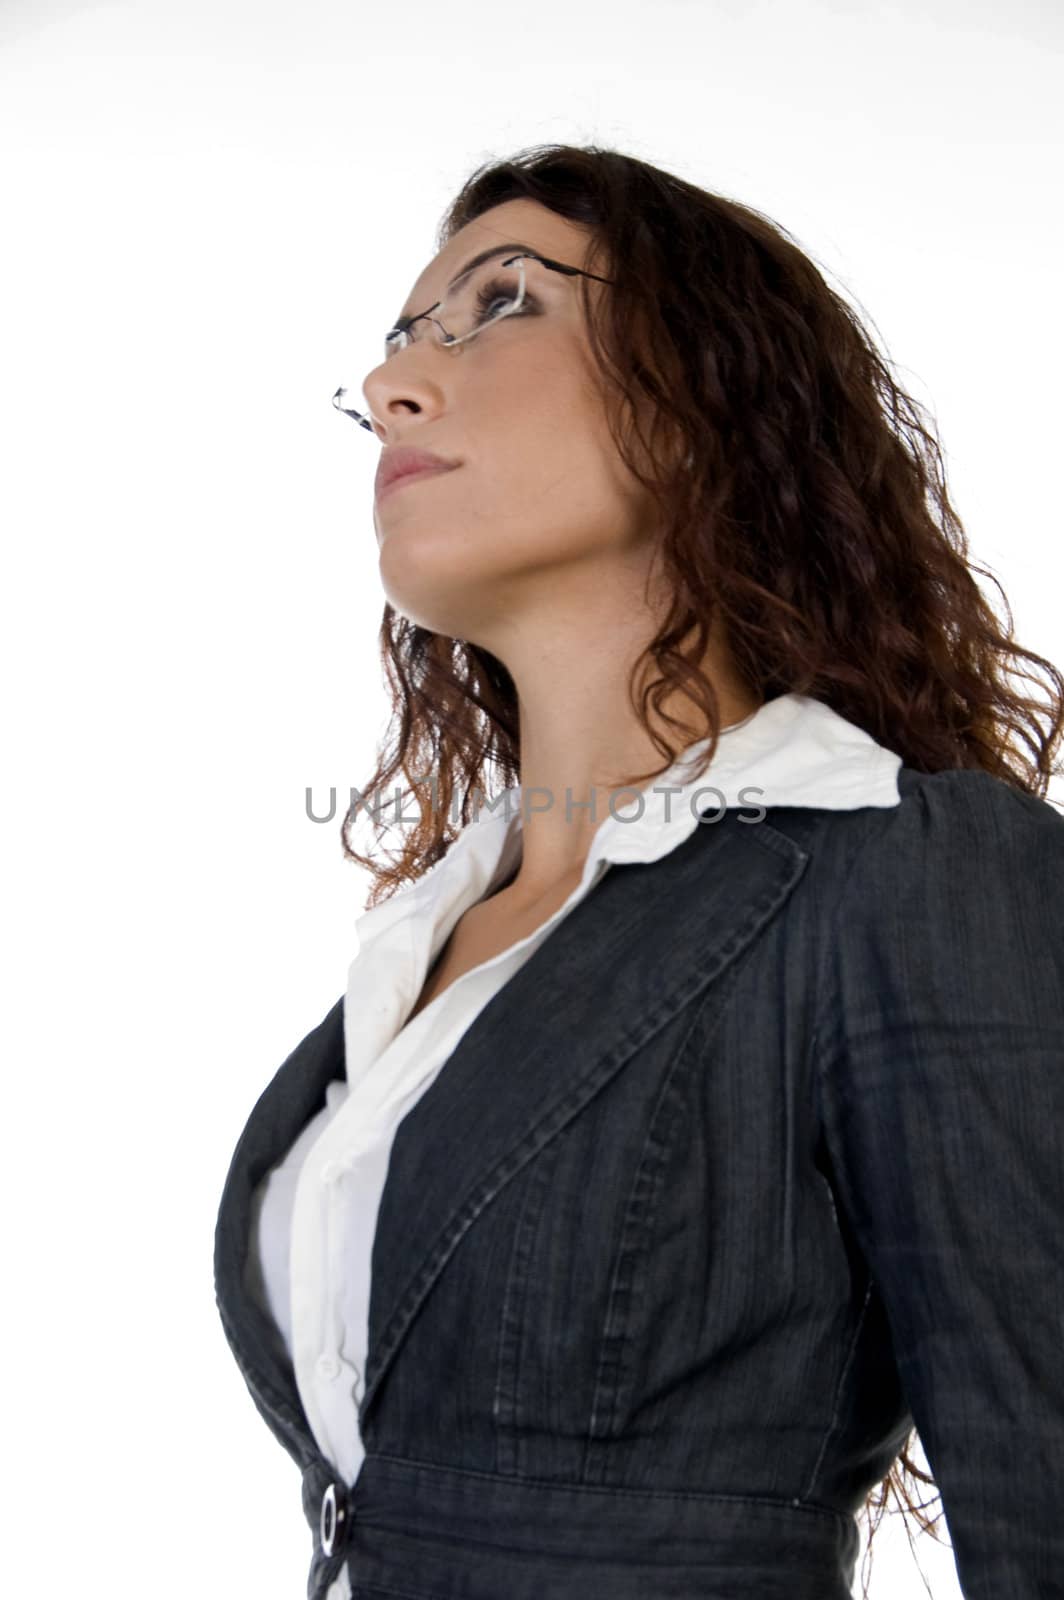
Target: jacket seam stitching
(616, 1316)
(833, 1424)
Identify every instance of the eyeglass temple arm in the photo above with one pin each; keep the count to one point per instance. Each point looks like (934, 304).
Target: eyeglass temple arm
(349, 411)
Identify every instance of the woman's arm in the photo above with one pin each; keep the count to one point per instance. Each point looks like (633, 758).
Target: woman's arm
(941, 1071)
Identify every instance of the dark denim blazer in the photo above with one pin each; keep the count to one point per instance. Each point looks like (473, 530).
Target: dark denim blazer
(757, 1160)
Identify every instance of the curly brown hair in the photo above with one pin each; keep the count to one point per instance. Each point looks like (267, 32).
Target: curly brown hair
(804, 504)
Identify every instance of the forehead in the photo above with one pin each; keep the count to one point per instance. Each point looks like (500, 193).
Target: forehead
(516, 222)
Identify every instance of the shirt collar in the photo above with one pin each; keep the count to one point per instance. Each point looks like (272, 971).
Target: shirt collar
(791, 751)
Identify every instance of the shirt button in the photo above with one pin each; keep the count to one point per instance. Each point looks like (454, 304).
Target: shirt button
(328, 1367)
(331, 1171)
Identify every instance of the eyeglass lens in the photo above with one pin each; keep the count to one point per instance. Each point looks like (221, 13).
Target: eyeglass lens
(483, 296)
(480, 297)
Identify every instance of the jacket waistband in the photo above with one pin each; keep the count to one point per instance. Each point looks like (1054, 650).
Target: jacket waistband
(432, 1531)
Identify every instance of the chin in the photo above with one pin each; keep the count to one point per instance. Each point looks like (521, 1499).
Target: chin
(426, 578)
(429, 602)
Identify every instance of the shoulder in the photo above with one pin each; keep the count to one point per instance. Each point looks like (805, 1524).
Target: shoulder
(942, 969)
(958, 827)
(971, 797)
(950, 901)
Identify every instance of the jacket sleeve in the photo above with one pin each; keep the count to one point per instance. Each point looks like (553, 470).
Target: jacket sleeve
(940, 1061)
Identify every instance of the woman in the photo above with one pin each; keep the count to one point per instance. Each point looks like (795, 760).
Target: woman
(696, 1115)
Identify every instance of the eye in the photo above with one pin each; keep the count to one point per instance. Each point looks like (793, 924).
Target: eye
(501, 289)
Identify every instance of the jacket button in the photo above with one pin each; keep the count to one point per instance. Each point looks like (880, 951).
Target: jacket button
(333, 1520)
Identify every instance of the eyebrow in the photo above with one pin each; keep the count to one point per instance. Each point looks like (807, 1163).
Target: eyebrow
(485, 255)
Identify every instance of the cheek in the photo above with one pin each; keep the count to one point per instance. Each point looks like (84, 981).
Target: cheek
(531, 423)
(548, 476)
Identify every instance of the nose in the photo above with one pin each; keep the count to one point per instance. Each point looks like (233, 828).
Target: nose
(403, 387)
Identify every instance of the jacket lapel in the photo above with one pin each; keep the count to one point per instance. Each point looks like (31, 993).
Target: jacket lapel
(643, 943)
(646, 940)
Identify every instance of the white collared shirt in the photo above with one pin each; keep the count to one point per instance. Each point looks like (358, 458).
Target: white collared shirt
(314, 1214)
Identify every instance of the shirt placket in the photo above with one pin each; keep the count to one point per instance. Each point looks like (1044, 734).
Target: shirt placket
(333, 1371)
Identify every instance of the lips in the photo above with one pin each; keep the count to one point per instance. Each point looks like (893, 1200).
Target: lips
(399, 464)
(394, 483)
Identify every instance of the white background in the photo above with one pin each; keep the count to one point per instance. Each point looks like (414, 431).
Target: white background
(211, 212)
